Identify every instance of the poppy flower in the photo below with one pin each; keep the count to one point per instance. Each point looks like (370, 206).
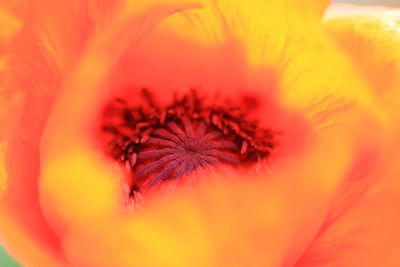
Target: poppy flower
(287, 172)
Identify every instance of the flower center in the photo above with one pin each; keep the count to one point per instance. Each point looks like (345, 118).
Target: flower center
(158, 143)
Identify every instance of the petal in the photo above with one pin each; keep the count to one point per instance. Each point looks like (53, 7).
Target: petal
(362, 231)
(75, 146)
(10, 25)
(374, 47)
(221, 48)
(26, 246)
(244, 224)
(42, 47)
(366, 235)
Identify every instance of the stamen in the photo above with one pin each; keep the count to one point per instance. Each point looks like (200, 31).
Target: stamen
(158, 143)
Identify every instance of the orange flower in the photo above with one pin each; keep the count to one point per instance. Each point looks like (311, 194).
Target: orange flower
(333, 166)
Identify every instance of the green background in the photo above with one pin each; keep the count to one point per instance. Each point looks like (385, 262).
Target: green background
(6, 261)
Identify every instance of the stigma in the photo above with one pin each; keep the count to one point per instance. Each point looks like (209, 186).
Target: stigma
(180, 148)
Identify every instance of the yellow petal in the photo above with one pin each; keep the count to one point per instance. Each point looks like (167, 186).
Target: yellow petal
(371, 37)
(10, 25)
(260, 221)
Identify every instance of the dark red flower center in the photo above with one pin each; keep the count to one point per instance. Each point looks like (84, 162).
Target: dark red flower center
(158, 143)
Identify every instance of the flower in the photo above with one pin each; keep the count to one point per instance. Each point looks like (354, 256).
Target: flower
(60, 195)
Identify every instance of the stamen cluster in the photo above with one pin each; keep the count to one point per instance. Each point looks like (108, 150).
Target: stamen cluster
(158, 143)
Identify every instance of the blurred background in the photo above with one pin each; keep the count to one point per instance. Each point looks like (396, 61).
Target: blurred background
(6, 261)
(371, 2)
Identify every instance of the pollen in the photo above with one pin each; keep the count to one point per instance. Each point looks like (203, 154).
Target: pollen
(159, 143)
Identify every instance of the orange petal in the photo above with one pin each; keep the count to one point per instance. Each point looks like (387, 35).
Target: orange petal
(22, 242)
(365, 233)
(41, 48)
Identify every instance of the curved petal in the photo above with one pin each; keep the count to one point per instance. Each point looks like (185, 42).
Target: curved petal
(250, 223)
(25, 246)
(45, 42)
(366, 234)
(374, 49)
(75, 146)
(22, 226)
